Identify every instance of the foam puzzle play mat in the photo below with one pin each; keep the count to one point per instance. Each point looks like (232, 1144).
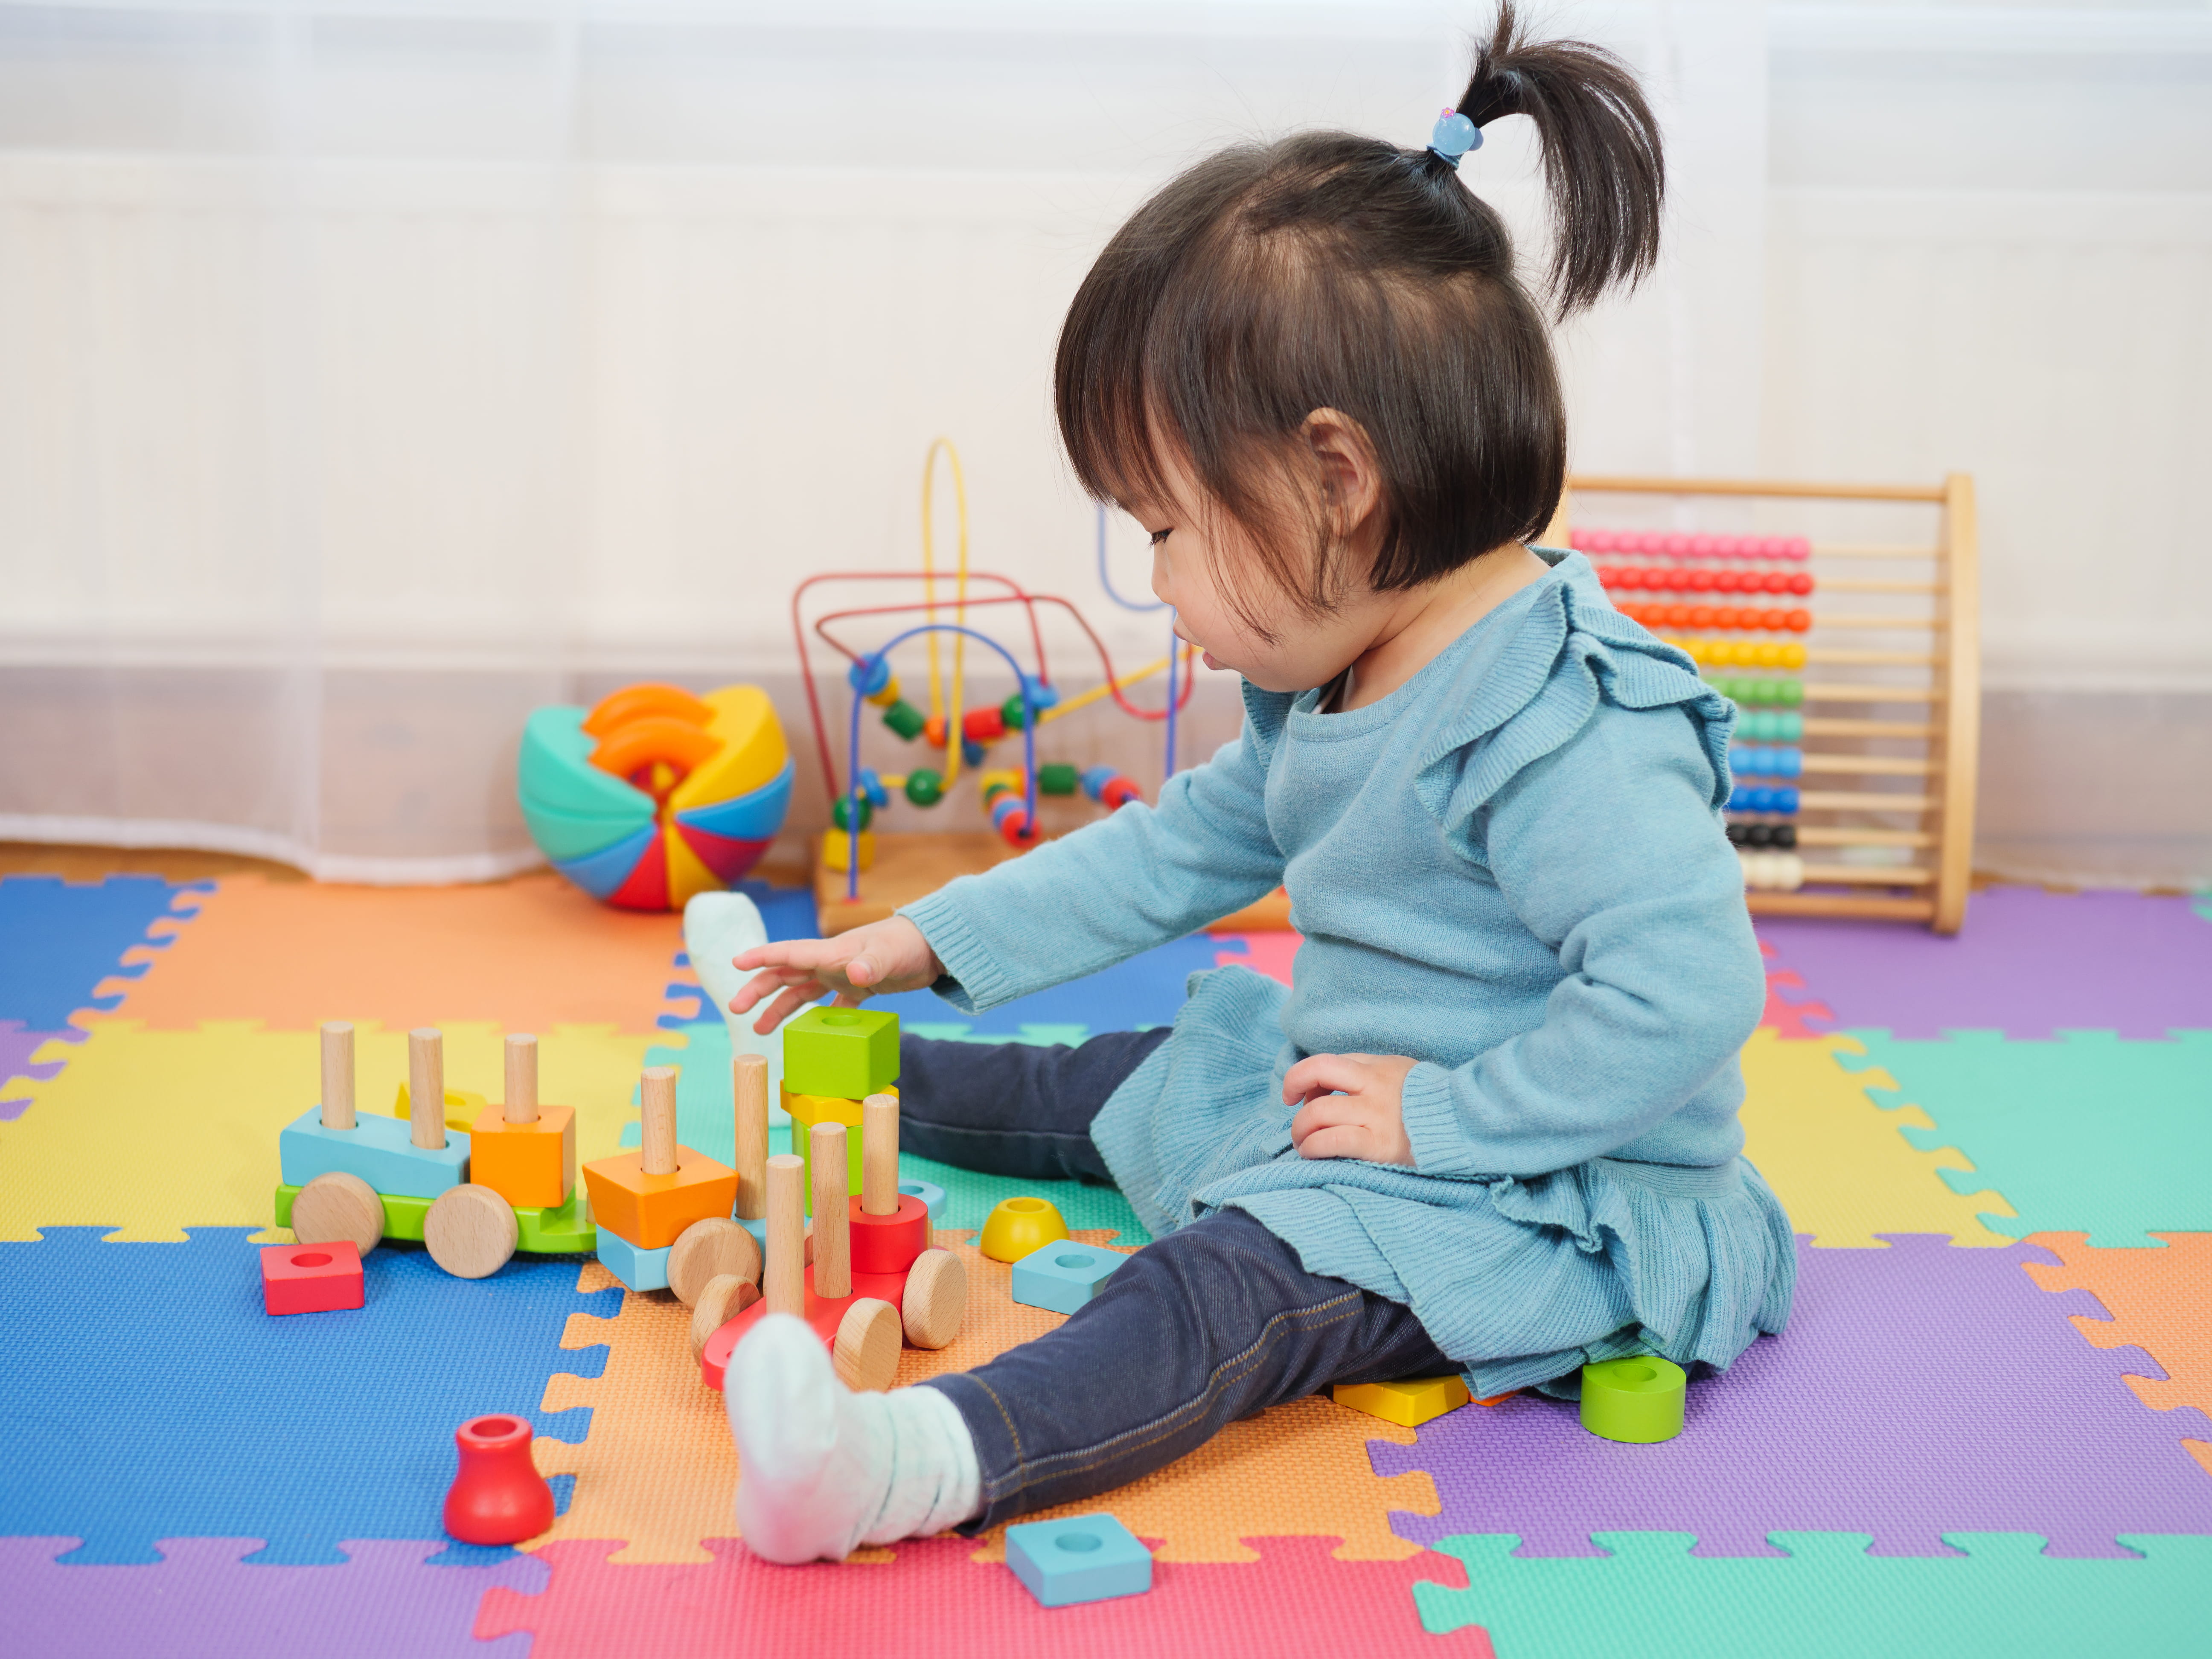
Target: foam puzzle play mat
(1985, 1429)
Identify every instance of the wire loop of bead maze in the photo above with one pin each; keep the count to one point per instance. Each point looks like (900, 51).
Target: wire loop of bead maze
(1887, 688)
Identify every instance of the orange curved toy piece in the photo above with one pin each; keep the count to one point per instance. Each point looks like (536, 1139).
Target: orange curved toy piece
(655, 752)
(634, 703)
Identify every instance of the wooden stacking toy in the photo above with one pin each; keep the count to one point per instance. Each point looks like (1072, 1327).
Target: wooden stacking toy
(643, 1201)
(472, 1196)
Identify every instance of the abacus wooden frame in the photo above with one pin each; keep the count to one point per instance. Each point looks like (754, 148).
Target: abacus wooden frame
(1955, 742)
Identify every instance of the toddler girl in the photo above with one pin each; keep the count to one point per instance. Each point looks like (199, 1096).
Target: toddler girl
(1491, 1128)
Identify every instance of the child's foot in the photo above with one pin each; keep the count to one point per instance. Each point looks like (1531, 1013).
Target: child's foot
(821, 1469)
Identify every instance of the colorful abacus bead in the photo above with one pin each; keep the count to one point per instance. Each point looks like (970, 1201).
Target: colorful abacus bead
(906, 719)
(1772, 872)
(925, 786)
(1109, 788)
(1011, 818)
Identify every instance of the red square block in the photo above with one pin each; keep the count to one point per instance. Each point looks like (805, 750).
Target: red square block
(310, 1278)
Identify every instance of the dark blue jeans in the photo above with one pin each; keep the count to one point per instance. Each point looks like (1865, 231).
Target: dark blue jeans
(1214, 1322)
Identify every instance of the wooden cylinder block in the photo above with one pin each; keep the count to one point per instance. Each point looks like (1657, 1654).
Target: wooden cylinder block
(936, 1298)
(426, 1088)
(833, 1237)
(337, 1079)
(867, 1348)
(521, 1079)
(720, 1300)
(783, 1277)
(336, 1207)
(748, 1087)
(470, 1232)
(713, 1248)
(880, 1136)
(656, 1108)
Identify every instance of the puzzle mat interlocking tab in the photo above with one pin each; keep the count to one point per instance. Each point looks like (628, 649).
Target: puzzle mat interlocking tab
(149, 1396)
(1918, 1390)
(151, 1132)
(1830, 1599)
(658, 1469)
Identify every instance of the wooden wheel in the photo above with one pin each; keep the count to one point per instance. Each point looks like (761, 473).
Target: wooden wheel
(338, 1208)
(707, 1251)
(936, 1298)
(723, 1299)
(471, 1231)
(867, 1351)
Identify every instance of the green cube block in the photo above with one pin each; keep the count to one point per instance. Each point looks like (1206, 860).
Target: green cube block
(846, 1052)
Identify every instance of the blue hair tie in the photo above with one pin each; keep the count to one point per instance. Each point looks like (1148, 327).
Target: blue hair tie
(1453, 136)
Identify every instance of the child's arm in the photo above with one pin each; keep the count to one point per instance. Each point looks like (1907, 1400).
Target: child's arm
(1606, 848)
(1071, 907)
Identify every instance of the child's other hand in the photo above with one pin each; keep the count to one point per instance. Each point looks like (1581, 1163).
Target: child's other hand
(882, 957)
(1352, 1107)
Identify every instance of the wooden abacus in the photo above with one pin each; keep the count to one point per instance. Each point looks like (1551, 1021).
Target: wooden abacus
(1891, 686)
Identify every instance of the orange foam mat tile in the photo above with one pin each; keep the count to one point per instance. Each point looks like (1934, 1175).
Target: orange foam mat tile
(657, 1470)
(2160, 1301)
(525, 954)
(1293, 1601)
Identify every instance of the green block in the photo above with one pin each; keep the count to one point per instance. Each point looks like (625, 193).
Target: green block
(567, 1230)
(1826, 1599)
(1636, 1399)
(849, 1053)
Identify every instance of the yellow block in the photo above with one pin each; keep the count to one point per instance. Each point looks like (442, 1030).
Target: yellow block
(753, 749)
(1409, 1402)
(1835, 1159)
(463, 1108)
(806, 1111)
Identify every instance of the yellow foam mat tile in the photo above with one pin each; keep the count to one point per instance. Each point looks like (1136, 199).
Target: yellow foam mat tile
(153, 1132)
(657, 1470)
(1835, 1159)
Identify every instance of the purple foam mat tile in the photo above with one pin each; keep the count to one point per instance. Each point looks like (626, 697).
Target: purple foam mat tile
(201, 1601)
(17, 1044)
(1918, 1390)
(2028, 963)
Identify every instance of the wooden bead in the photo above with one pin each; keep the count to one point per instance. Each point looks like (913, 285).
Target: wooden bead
(426, 1088)
(720, 1300)
(336, 1206)
(879, 1138)
(711, 1249)
(867, 1348)
(337, 1075)
(833, 1253)
(521, 1105)
(749, 1089)
(470, 1232)
(783, 1274)
(656, 1108)
(936, 1298)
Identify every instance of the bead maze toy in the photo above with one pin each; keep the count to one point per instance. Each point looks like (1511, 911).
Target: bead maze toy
(654, 794)
(874, 1276)
(1855, 750)
(472, 1196)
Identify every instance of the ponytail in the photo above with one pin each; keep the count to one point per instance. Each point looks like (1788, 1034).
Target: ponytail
(1602, 168)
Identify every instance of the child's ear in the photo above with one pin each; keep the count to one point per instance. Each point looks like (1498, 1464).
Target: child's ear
(1344, 457)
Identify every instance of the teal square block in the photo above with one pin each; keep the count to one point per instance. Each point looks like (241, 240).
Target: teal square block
(1063, 1275)
(846, 1053)
(1085, 1557)
(642, 1270)
(930, 1194)
(376, 1149)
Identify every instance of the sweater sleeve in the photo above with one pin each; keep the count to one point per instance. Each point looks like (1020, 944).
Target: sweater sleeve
(1125, 884)
(1608, 849)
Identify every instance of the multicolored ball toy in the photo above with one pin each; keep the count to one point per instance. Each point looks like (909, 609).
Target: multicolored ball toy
(655, 794)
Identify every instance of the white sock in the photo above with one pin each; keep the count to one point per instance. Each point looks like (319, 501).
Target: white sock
(824, 1470)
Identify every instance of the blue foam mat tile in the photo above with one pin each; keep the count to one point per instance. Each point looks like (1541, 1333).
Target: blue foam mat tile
(58, 940)
(149, 1396)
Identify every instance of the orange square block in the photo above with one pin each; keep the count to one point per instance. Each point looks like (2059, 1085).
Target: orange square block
(650, 1210)
(525, 1163)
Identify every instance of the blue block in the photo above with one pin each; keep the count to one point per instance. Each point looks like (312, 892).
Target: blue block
(642, 1270)
(930, 1194)
(376, 1149)
(1063, 1275)
(1085, 1557)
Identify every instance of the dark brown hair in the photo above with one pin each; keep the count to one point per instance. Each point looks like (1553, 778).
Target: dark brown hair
(1330, 270)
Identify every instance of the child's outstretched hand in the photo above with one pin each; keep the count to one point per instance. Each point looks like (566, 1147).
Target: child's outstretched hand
(1352, 1107)
(862, 962)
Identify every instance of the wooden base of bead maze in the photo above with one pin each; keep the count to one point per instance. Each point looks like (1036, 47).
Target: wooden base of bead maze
(1862, 658)
(911, 866)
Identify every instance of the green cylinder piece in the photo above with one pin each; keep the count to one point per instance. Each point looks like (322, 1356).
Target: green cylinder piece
(1057, 778)
(1789, 692)
(924, 787)
(841, 813)
(1637, 1399)
(903, 718)
(1011, 712)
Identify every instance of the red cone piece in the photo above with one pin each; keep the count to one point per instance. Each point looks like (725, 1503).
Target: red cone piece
(498, 1497)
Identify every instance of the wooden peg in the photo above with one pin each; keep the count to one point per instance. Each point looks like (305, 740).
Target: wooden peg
(337, 1076)
(748, 1087)
(336, 1206)
(720, 1300)
(426, 1087)
(521, 1079)
(713, 1248)
(936, 1298)
(879, 1193)
(833, 1224)
(784, 1275)
(867, 1351)
(656, 1100)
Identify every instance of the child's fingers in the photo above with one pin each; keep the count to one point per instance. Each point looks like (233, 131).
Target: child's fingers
(1341, 1140)
(787, 1003)
(802, 953)
(761, 984)
(1321, 1074)
(1328, 1112)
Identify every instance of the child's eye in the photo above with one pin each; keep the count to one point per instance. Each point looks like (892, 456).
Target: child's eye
(1159, 536)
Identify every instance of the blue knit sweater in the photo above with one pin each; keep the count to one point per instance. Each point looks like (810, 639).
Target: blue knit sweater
(1511, 869)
